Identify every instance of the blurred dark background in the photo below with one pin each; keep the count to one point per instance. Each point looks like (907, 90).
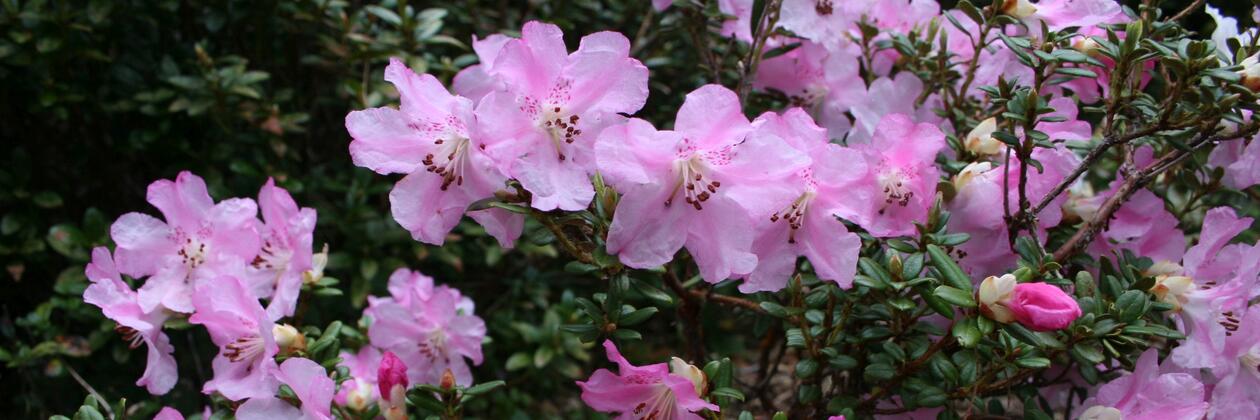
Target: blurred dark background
(101, 97)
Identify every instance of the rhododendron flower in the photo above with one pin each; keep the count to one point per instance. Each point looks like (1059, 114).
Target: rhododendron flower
(823, 21)
(286, 255)
(393, 386)
(740, 26)
(435, 140)
(1147, 394)
(239, 325)
(432, 330)
(475, 82)
(976, 208)
(542, 126)
(200, 239)
(1236, 394)
(121, 304)
(1042, 307)
(825, 83)
(1143, 224)
(638, 392)
(361, 390)
(886, 97)
(900, 180)
(689, 187)
(1228, 275)
(309, 382)
(803, 222)
(168, 413)
(1240, 160)
(1060, 14)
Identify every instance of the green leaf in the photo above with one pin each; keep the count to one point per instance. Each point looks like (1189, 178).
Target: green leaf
(1033, 362)
(727, 392)
(484, 387)
(1131, 305)
(879, 372)
(955, 296)
(949, 270)
(543, 356)
(517, 361)
(806, 368)
(637, 316)
(966, 333)
(47, 199)
(1075, 72)
(774, 309)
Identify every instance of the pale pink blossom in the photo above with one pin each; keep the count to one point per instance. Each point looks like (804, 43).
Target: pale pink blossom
(642, 391)
(431, 328)
(119, 303)
(309, 382)
(887, 96)
(687, 187)
(739, 24)
(286, 256)
(1059, 14)
(475, 82)
(542, 125)
(900, 181)
(361, 390)
(1042, 307)
(826, 22)
(199, 239)
(1240, 160)
(825, 83)
(239, 325)
(168, 413)
(1148, 394)
(1236, 393)
(803, 204)
(434, 139)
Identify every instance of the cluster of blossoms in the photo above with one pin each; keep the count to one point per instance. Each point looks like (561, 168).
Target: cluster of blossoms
(857, 151)
(214, 263)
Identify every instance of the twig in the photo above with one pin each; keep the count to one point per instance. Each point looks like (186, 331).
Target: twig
(563, 238)
(75, 374)
(769, 17)
(1186, 12)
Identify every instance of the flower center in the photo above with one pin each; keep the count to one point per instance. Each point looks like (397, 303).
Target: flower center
(130, 335)
(561, 128)
(661, 406)
(824, 7)
(794, 214)
(896, 186)
(435, 346)
(274, 255)
(449, 159)
(247, 347)
(1230, 322)
(193, 251)
(696, 188)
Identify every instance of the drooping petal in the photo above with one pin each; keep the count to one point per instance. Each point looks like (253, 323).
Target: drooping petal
(419, 203)
(645, 232)
(719, 239)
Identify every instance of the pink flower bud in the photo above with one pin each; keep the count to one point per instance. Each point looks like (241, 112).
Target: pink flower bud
(392, 372)
(1043, 307)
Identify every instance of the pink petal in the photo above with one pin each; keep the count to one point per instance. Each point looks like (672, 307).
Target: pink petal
(420, 205)
(141, 240)
(606, 79)
(711, 117)
(646, 233)
(719, 238)
(183, 202)
(383, 142)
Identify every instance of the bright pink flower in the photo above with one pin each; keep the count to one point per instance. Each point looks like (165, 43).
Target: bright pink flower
(803, 221)
(200, 239)
(542, 126)
(1043, 307)
(435, 140)
(1228, 276)
(168, 413)
(900, 180)
(1059, 14)
(286, 255)
(1147, 394)
(361, 389)
(901, 15)
(240, 327)
(309, 382)
(683, 188)
(642, 391)
(1236, 394)
(431, 329)
(118, 302)
(393, 386)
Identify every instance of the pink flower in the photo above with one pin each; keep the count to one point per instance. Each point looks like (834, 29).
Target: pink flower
(1240, 160)
(286, 256)
(240, 327)
(542, 126)
(660, 5)
(825, 83)
(118, 302)
(432, 330)
(168, 413)
(475, 82)
(393, 386)
(309, 382)
(741, 26)
(642, 391)
(900, 180)
(886, 97)
(1043, 307)
(200, 239)
(1142, 225)
(1059, 14)
(435, 140)
(826, 22)
(1209, 312)
(680, 187)
(803, 221)
(361, 389)
(1236, 394)
(1147, 394)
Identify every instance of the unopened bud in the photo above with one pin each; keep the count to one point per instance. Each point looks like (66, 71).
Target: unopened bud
(448, 380)
(895, 264)
(1101, 412)
(1250, 73)
(980, 140)
(288, 338)
(1172, 289)
(993, 294)
(1018, 9)
(1087, 45)
(969, 172)
(691, 372)
(318, 263)
(391, 379)
(359, 396)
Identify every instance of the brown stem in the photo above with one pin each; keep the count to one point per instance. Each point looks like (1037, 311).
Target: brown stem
(563, 238)
(689, 311)
(1187, 11)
